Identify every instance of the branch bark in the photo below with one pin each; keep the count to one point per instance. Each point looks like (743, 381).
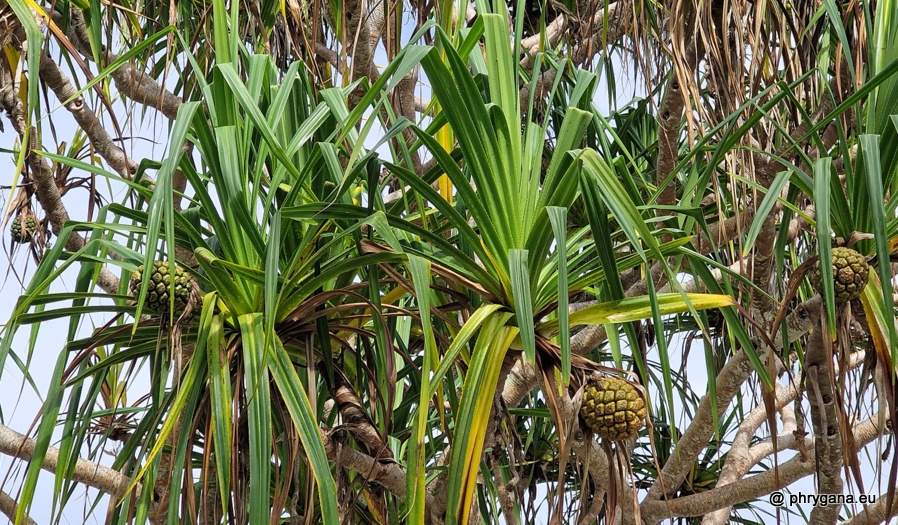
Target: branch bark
(60, 84)
(695, 438)
(729, 381)
(609, 17)
(86, 472)
(387, 474)
(754, 487)
(742, 456)
(720, 233)
(669, 131)
(130, 81)
(874, 514)
(41, 175)
(825, 418)
(9, 508)
(763, 308)
(614, 25)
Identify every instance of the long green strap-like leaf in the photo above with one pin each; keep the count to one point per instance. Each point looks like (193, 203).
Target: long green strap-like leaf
(468, 330)
(195, 368)
(258, 395)
(620, 204)
(35, 41)
(161, 209)
(255, 115)
(220, 32)
(773, 193)
(420, 270)
(505, 104)
(559, 187)
(44, 434)
(558, 218)
(297, 403)
(822, 188)
(453, 257)
(211, 339)
(476, 403)
(870, 148)
(523, 303)
(470, 120)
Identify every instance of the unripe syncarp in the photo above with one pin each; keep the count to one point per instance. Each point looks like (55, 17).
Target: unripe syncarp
(23, 233)
(159, 289)
(850, 273)
(613, 408)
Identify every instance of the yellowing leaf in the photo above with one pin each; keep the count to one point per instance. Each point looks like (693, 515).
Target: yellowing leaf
(636, 308)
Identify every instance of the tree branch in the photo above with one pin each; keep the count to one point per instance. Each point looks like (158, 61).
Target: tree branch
(729, 381)
(387, 474)
(131, 82)
(591, 454)
(762, 306)
(825, 419)
(41, 175)
(86, 472)
(874, 514)
(695, 438)
(669, 131)
(362, 18)
(613, 25)
(722, 232)
(753, 487)
(742, 456)
(694, 285)
(115, 156)
(137, 86)
(9, 508)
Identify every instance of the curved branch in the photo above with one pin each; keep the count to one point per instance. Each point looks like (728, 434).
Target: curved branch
(363, 26)
(137, 86)
(59, 83)
(86, 472)
(742, 456)
(9, 507)
(874, 514)
(609, 18)
(825, 419)
(387, 474)
(131, 82)
(41, 174)
(614, 27)
(762, 305)
(591, 454)
(729, 381)
(669, 118)
(695, 285)
(751, 488)
(722, 232)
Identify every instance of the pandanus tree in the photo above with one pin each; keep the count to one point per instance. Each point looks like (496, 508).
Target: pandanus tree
(352, 304)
